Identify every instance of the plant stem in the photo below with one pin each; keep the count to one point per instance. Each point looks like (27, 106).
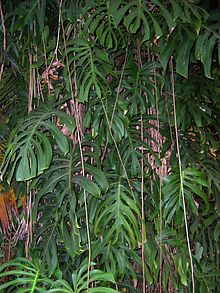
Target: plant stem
(181, 177)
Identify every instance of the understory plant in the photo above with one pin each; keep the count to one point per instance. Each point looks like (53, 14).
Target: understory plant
(109, 146)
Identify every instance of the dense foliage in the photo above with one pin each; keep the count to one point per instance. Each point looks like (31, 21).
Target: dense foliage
(109, 146)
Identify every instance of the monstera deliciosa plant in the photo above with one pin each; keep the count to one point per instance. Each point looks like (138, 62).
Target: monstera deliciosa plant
(109, 146)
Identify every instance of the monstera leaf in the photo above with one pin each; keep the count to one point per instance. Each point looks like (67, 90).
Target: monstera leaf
(193, 183)
(208, 42)
(28, 273)
(91, 66)
(117, 216)
(29, 150)
(65, 178)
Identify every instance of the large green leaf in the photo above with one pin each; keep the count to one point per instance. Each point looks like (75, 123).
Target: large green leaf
(117, 216)
(91, 65)
(29, 151)
(183, 57)
(207, 42)
(26, 273)
(193, 183)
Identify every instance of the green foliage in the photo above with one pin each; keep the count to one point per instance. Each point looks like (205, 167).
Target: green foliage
(27, 273)
(30, 149)
(118, 216)
(192, 182)
(98, 153)
(30, 279)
